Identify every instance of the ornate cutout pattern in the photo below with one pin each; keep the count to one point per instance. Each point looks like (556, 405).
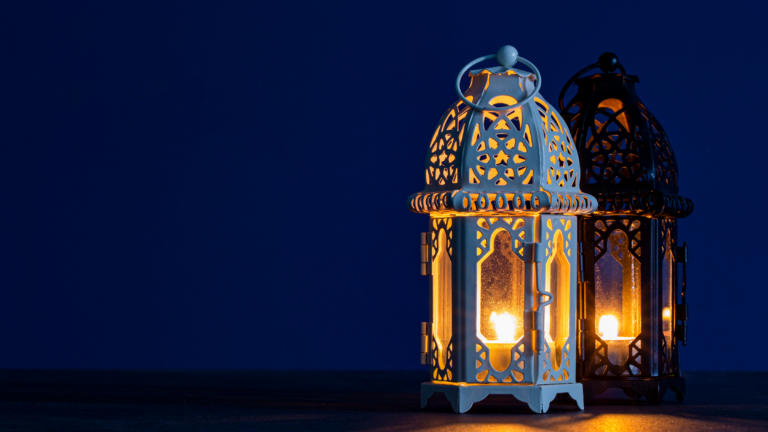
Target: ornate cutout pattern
(487, 226)
(437, 225)
(664, 161)
(651, 204)
(604, 228)
(601, 366)
(561, 161)
(442, 167)
(501, 147)
(438, 373)
(668, 353)
(442, 337)
(515, 373)
(622, 146)
(567, 227)
(613, 145)
(535, 202)
(519, 229)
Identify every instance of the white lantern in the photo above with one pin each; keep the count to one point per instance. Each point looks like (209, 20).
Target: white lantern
(502, 192)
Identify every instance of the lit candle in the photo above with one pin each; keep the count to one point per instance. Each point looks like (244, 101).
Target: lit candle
(666, 314)
(500, 349)
(504, 324)
(608, 327)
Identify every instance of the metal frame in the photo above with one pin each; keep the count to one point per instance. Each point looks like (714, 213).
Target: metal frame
(530, 376)
(637, 173)
(459, 183)
(506, 65)
(648, 360)
(514, 163)
(627, 162)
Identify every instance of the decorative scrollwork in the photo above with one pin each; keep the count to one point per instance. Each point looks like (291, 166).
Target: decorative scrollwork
(438, 373)
(651, 204)
(522, 160)
(510, 202)
(515, 372)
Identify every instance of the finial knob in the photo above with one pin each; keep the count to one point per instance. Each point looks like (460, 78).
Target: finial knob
(507, 56)
(608, 61)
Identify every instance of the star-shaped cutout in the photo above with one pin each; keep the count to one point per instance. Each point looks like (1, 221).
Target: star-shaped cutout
(501, 158)
(442, 158)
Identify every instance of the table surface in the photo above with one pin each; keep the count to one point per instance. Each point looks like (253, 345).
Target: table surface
(338, 401)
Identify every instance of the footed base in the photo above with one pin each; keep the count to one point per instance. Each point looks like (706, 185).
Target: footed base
(653, 389)
(538, 397)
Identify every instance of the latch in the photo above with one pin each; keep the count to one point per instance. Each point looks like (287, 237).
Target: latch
(582, 323)
(533, 252)
(537, 336)
(426, 330)
(424, 255)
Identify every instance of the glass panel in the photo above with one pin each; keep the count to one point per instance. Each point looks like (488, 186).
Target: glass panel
(667, 278)
(617, 297)
(557, 314)
(442, 296)
(502, 296)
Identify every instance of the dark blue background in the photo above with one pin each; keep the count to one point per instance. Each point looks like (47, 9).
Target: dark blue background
(223, 185)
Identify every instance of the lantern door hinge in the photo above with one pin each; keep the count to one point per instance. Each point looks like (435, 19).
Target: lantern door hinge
(425, 270)
(426, 330)
(537, 330)
(582, 339)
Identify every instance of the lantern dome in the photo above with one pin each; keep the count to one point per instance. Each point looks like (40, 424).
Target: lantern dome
(627, 161)
(489, 158)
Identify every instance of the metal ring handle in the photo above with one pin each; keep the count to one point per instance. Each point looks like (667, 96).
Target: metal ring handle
(492, 108)
(578, 74)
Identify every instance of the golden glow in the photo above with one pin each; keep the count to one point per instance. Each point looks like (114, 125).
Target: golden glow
(617, 294)
(503, 100)
(558, 282)
(608, 327)
(613, 106)
(667, 292)
(504, 324)
(442, 293)
(501, 296)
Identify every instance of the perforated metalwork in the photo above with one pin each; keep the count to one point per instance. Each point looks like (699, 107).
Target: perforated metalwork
(624, 152)
(523, 160)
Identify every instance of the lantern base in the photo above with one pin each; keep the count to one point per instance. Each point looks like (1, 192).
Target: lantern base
(653, 388)
(538, 397)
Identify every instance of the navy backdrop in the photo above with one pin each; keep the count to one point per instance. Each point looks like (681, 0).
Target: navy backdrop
(223, 184)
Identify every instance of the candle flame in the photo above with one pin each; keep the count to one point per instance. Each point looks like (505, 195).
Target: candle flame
(504, 324)
(608, 327)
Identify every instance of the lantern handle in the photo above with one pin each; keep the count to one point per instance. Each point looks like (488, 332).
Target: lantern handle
(507, 57)
(608, 62)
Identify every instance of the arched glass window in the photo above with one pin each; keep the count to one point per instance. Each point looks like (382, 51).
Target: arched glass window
(502, 299)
